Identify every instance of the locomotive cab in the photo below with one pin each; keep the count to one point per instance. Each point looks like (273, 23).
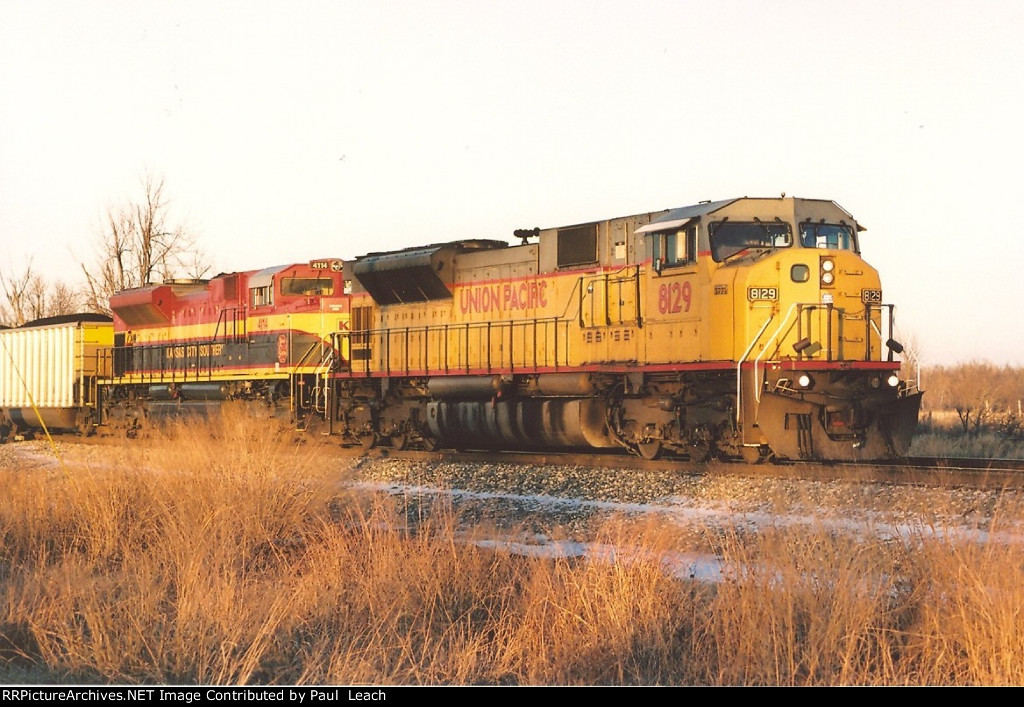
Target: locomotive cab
(812, 338)
(776, 290)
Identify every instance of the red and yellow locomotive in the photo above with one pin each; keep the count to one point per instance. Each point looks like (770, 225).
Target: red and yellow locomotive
(188, 345)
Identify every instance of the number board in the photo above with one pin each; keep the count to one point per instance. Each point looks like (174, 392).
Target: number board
(675, 297)
(333, 264)
(762, 293)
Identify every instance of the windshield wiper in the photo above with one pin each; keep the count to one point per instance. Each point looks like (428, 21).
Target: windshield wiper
(754, 251)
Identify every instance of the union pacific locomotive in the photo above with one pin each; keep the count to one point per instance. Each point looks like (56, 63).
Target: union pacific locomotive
(738, 328)
(747, 327)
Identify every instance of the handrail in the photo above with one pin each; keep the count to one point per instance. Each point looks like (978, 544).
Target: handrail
(785, 323)
(739, 364)
(235, 316)
(757, 359)
(545, 331)
(321, 374)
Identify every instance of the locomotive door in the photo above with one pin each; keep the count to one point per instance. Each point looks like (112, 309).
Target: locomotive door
(609, 315)
(722, 344)
(360, 341)
(610, 299)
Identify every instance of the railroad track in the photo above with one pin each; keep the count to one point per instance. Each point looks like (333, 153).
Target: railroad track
(933, 471)
(930, 471)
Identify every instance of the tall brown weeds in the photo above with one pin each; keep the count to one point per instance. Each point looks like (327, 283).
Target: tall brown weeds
(229, 553)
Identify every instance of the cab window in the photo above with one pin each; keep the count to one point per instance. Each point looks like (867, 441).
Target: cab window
(827, 235)
(261, 296)
(672, 248)
(729, 238)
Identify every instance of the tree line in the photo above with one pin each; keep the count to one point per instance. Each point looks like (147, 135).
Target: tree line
(139, 242)
(983, 396)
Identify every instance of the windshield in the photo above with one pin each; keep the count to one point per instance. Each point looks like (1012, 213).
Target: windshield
(827, 235)
(728, 238)
(307, 286)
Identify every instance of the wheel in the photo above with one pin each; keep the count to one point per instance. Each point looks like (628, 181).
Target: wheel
(649, 450)
(312, 425)
(752, 455)
(368, 441)
(700, 452)
(430, 444)
(84, 426)
(400, 441)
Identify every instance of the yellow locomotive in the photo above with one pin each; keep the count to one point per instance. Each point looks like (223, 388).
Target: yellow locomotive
(739, 328)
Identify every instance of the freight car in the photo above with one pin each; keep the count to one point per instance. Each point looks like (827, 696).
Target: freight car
(48, 374)
(746, 328)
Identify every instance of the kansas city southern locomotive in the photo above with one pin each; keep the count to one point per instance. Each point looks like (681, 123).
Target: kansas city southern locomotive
(748, 328)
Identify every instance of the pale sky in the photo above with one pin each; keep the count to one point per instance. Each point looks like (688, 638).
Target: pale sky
(291, 131)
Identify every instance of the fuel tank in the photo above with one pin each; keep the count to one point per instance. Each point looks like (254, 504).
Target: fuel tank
(531, 423)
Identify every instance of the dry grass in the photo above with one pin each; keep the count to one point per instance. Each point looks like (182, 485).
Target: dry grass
(952, 443)
(940, 434)
(222, 556)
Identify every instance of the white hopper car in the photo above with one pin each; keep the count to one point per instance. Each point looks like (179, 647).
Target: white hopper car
(48, 373)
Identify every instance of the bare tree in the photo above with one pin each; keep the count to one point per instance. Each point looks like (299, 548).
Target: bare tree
(912, 356)
(38, 298)
(28, 296)
(972, 388)
(140, 244)
(17, 293)
(63, 299)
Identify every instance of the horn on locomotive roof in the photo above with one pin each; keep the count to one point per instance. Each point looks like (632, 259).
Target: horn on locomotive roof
(527, 233)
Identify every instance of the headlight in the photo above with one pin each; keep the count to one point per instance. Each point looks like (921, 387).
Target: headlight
(875, 382)
(893, 380)
(827, 273)
(804, 381)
